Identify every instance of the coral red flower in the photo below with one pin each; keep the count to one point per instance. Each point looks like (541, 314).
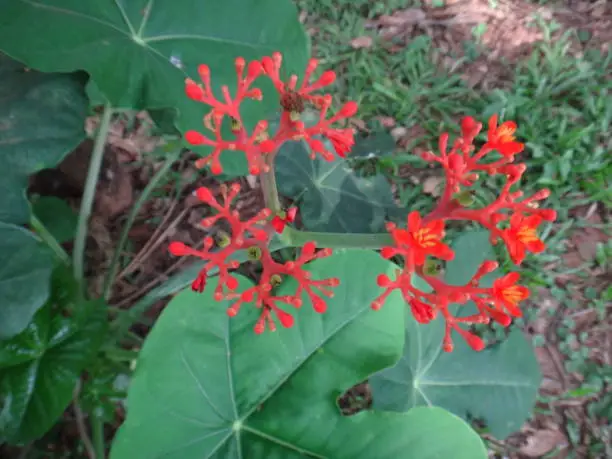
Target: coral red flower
(342, 140)
(259, 144)
(463, 167)
(470, 128)
(252, 235)
(507, 293)
(421, 240)
(522, 236)
(293, 98)
(501, 138)
(280, 221)
(422, 312)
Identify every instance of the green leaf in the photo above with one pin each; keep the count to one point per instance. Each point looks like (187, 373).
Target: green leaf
(206, 386)
(42, 118)
(498, 385)
(57, 217)
(374, 146)
(25, 276)
(330, 195)
(40, 367)
(139, 52)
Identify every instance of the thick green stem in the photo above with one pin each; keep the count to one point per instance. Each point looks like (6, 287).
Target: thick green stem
(112, 270)
(48, 239)
(97, 435)
(268, 186)
(297, 238)
(95, 164)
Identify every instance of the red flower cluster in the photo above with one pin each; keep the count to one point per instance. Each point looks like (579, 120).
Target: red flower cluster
(259, 144)
(510, 218)
(253, 236)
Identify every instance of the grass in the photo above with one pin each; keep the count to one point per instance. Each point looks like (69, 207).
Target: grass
(562, 102)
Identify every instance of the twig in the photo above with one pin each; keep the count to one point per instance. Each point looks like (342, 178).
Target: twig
(153, 241)
(80, 422)
(95, 164)
(48, 239)
(97, 429)
(112, 270)
(162, 277)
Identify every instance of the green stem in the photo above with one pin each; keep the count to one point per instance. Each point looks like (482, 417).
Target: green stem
(296, 238)
(268, 186)
(97, 435)
(48, 239)
(112, 270)
(78, 255)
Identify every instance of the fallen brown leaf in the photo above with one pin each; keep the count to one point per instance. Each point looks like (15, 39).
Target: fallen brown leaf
(386, 121)
(431, 185)
(362, 42)
(542, 442)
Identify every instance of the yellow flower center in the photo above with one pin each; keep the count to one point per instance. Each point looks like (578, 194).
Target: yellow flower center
(526, 234)
(425, 238)
(513, 294)
(505, 134)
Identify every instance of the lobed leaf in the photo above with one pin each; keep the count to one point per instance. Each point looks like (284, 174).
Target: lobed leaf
(42, 118)
(497, 385)
(330, 195)
(25, 275)
(139, 52)
(206, 386)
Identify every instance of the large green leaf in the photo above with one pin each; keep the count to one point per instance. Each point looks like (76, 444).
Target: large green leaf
(376, 145)
(498, 385)
(207, 386)
(39, 367)
(138, 52)
(25, 275)
(56, 216)
(330, 195)
(42, 118)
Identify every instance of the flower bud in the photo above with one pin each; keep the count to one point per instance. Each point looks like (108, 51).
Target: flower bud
(327, 78)
(309, 248)
(239, 63)
(254, 69)
(231, 283)
(193, 90)
(383, 280)
(284, 318)
(178, 249)
(548, 214)
(205, 195)
(312, 65)
(541, 194)
(204, 71)
(428, 156)
(194, 138)
(349, 109)
(247, 295)
(318, 304)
